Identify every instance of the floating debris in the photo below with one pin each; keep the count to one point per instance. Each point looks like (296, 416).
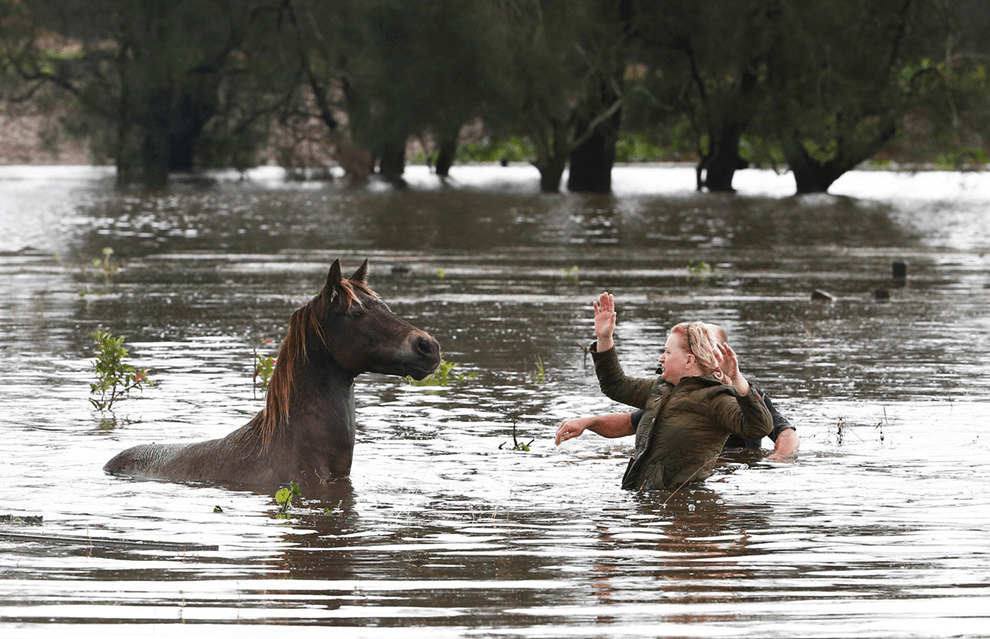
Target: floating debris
(819, 295)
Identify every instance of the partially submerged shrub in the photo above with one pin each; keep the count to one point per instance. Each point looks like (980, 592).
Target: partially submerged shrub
(114, 379)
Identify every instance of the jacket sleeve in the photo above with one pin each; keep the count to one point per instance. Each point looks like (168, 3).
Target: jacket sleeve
(780, 423)
(631, 391)
(745, 416)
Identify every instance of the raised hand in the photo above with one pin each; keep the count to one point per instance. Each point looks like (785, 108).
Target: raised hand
(728, 363)
(604, 321)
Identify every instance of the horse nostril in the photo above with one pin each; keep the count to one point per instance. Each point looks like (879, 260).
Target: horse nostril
(424, 345)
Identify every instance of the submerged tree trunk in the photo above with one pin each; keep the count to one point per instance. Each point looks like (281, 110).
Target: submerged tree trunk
(155, 151)
(551, 173)
(446, 153)
(592, 162)
(720, 168)
(154, 160)
(815, 176)
(810, 175)
(551, 154)
(593, 158)
(162, 134)
(393, 161)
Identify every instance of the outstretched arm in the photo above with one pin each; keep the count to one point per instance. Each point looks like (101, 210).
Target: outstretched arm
(614, 425)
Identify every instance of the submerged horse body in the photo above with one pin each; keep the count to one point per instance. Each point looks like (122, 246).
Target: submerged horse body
(305, 432)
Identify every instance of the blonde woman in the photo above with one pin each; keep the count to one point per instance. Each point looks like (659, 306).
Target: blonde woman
(700, 398)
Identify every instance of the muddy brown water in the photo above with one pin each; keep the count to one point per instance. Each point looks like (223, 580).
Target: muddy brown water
(879, 528)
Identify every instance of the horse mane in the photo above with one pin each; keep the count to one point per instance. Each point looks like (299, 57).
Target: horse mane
(292, 354)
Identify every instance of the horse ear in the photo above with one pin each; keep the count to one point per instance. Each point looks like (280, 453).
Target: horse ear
(361, 273)
(333, 280)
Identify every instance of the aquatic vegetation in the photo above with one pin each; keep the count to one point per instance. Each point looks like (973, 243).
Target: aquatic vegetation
(570, 273)
(283, 497)
(700, 268)
(264, 367)
(839, 428)
(540, 373)
(114, 379)
(442, 376)
(105, 266)
(516, 444)
(102, 268)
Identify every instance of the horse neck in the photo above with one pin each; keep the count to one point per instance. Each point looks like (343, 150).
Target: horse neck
(312, 403)
(322, 402)
(320, 433)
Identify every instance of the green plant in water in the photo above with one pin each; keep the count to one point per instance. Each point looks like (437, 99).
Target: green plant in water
(699, 269)
(441, 273)
(570, 273)
(540, 374)
(516, 444)
(114, 379)
(264, 366)
(442, 376)
(105, 265)
(103, 268)
(283, 497)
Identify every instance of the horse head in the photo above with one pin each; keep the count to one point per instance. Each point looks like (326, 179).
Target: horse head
(361, 334)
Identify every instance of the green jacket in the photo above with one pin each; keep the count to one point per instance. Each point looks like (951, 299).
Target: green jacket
(682, 432)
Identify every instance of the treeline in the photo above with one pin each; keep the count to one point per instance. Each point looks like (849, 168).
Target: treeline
(818, 86)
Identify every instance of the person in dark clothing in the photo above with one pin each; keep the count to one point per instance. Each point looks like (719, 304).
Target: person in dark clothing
(783, 434)
(700, 398)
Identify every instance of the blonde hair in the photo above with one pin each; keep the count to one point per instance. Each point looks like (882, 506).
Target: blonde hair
(702, 340)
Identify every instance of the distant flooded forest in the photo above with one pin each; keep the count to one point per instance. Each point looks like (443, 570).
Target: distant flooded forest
(357, 88)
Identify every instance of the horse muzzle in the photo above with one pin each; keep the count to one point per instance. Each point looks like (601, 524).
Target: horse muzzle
(425, 355)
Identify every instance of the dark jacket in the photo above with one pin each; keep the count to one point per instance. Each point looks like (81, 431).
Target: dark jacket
(684, 427)
(780, 424)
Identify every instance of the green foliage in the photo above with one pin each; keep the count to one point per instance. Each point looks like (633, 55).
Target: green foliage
(106, 265)
(969, 157)
(638, 147)
(512, 149)
(442, 376)
(264, 366)
(103, 269)
(114, 379)
(284, 497)
(540, 373)
(700, 269)
(174, 86)
(570, 273)
(761, 151)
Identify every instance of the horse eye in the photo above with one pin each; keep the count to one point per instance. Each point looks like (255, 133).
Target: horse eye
(357, 314)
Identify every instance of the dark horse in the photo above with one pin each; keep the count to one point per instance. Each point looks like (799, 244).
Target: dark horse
(305, 432)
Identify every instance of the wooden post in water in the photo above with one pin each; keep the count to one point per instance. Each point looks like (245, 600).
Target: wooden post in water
(899, 271)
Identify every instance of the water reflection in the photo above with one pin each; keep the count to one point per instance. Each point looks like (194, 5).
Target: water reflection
(878, 529)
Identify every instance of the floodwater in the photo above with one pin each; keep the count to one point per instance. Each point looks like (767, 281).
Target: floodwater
(879, 528)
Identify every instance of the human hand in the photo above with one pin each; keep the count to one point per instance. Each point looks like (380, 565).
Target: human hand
(604, 320)
(569, 429)
(727, 360)
(785, 448)
(728, 363)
